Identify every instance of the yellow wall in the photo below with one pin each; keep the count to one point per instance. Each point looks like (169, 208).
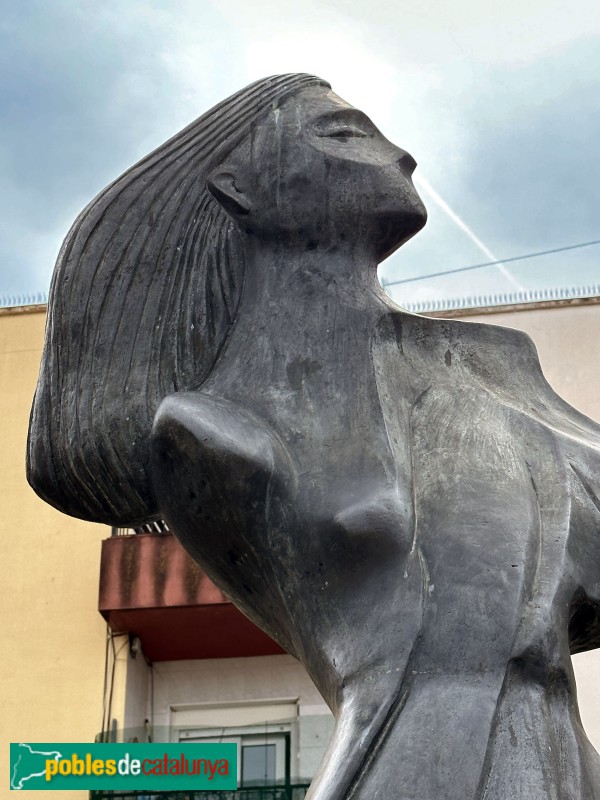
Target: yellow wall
(52, 665)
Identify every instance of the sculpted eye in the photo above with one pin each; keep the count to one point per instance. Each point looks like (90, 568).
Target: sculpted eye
(345, 132)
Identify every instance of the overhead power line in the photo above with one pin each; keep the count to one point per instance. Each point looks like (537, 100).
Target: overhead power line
(491, 263)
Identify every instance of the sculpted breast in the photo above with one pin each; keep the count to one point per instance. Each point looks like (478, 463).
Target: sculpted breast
(380, 523)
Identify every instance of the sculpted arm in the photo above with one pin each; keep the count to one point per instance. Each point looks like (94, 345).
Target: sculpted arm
(225, 483)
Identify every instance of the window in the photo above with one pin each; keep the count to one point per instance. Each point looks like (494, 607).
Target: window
(265, 734)
(263, 754)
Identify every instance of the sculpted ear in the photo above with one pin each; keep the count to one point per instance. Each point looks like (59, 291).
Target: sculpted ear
(222, 185)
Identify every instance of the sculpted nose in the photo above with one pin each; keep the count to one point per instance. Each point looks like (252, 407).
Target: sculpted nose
(406, 162)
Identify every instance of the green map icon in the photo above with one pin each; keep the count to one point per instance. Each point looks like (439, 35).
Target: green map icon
(29, 766)
(119, 765)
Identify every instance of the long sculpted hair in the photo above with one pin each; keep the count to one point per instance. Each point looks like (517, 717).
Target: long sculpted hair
(145, 292)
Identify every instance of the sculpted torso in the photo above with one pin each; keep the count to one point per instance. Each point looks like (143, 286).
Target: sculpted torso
(433, 557)
(403, 503)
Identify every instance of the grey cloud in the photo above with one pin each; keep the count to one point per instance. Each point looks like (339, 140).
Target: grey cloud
(85, 92)
(89, 87)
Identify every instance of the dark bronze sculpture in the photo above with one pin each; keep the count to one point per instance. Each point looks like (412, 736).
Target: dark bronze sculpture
(403, 503)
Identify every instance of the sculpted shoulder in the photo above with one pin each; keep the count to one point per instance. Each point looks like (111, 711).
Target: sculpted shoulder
(502, 360)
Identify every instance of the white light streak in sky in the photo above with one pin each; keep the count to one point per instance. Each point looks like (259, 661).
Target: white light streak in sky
(424, 184)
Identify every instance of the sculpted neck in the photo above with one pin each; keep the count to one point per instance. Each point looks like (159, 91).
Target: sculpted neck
(299, 307)
(283, 281)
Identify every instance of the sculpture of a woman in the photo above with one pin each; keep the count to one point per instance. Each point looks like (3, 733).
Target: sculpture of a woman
(403, 503)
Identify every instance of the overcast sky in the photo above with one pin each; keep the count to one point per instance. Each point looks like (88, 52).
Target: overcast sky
(499, 102)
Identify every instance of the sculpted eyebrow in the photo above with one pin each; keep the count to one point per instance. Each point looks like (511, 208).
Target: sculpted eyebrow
(345, 116)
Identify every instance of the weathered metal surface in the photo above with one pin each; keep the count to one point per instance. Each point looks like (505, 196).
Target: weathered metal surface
(401, 502)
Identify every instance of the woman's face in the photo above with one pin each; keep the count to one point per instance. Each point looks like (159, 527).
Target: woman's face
(318, 171)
